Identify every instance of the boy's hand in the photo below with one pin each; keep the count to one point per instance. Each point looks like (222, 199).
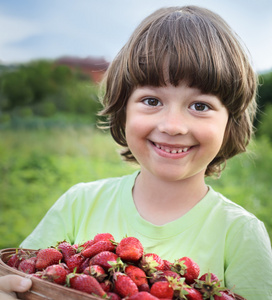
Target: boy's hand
(10, 284)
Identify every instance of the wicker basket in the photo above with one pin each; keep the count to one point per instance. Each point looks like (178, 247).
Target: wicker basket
(41, 289)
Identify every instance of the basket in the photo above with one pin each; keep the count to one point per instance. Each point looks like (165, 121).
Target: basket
(41, 289)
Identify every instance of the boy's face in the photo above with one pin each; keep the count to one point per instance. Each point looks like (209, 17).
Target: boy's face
(174, 132)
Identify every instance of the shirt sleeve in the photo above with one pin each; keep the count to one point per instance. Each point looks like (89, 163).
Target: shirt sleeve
(249, 261)
(56, 225)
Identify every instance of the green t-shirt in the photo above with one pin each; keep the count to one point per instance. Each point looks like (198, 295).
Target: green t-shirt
(219, 235)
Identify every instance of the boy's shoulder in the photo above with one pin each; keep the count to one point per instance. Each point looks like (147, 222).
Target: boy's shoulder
(230, 209)
(104, 184)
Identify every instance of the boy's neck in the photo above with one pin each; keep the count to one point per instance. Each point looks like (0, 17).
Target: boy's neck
(161, 202)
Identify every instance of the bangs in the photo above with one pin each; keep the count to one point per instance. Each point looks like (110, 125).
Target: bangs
(180, 46)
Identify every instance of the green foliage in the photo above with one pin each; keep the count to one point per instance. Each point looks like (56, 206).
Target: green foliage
(38, 166)
(265, 125)
(264, 104)
(247, 181)
(265, 89)
(42, 88)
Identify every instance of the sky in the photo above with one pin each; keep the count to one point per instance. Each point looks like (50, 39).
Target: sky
(49, 29)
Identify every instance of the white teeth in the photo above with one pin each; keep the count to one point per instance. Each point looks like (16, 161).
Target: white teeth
(168, 150)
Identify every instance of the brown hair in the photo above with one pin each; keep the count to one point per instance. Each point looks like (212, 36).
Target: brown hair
(201, 50)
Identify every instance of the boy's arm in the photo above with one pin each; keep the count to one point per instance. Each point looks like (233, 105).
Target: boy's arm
(249, 261)
(10, 284)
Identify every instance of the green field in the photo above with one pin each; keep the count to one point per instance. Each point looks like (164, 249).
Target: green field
(37, 166)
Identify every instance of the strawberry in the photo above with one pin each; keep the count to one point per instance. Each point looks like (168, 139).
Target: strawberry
(28, 265)
(193, 294)
(151, 263)
(124, 285)
(103, 237)
(113, 296)
(142, 296)
(47, 257)
(55, 273)
(96, 271)
(38, 274)
(97, 248)
(16, 258)
(187, 268)
(103, 258)
(209, 277)
(87, 244)
(130, 249)
(162, 289)
(167, 265)
(225, 295)
(66, 249)
(208, 284)
(86, 283)
(138, 276)
(74, 262)
(162, 276)
(107, 285)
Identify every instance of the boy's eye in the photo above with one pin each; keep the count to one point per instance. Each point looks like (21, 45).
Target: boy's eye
(152, 102)
(199, 106)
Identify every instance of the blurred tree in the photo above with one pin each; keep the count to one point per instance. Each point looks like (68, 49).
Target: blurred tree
(15, 89)
(32, 83)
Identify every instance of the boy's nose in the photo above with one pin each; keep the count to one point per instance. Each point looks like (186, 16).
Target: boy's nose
(173, 124)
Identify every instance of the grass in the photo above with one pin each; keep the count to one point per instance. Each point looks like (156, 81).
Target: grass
(38, 166)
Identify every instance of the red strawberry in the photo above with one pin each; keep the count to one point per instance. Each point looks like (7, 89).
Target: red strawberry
(142, 296)
(28, 265)
(209, 277)
(208, 284)
(96, 271)
(163, 276)
(151, 263)
(138, 276)
(84, 265)
(16, 258)
(103, 258)
(66, 249)
(225, 295)
(47, 257)
(107, 285)
(162, 289)
(187, 268)
(193, 294)
(74, 262)
(97, 248)
(124, 285)
(38, 274)
(130, 249)
(55, 273)
(86, 283)
(103, 237)
(167, 265)
(86, 245)
(113, 296)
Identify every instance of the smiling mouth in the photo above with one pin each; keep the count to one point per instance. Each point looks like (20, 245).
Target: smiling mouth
(171, 149)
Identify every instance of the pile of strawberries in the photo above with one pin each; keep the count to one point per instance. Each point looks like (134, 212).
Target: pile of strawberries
(111, 270)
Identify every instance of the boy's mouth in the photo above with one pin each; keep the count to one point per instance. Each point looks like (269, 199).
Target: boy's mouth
(171, 149)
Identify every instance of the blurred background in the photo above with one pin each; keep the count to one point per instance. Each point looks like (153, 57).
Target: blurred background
(53, 55)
